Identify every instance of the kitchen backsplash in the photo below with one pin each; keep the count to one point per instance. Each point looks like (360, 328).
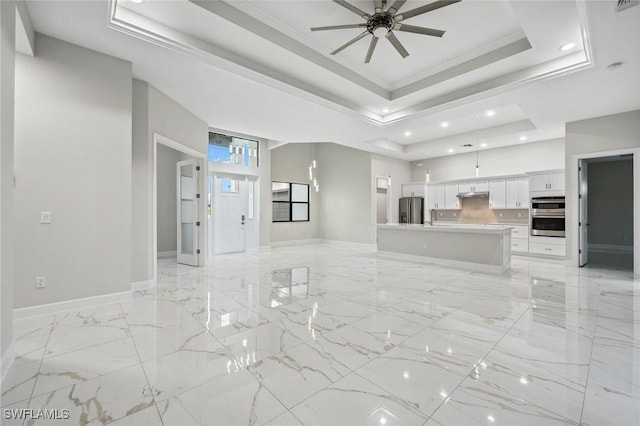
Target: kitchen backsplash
(476, 210)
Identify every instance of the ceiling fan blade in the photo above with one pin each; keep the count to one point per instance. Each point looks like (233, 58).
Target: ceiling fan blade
(377, 5)
(395, 7)
(349, 43)
(419, 30)
(372, 46)
(354, 9)
(426, 8)
(396, 43)
(339, 27)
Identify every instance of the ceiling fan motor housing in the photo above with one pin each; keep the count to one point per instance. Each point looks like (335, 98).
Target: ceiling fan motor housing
(383, 20)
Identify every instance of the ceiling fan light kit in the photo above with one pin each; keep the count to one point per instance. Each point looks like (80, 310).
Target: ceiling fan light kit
(383, 23)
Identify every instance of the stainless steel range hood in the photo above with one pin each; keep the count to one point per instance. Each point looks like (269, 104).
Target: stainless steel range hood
(477, 194)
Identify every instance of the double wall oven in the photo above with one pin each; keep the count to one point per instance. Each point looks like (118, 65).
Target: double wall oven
(547, 216)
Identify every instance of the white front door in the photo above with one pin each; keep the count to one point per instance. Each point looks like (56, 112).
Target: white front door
(187, 212)
(229, 211)
(583, 224)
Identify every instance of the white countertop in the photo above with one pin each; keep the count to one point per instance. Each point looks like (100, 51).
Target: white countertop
(453, 227)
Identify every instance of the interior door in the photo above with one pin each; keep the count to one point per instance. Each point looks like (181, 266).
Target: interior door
(187, 212)
(230, 216)
(583, 224)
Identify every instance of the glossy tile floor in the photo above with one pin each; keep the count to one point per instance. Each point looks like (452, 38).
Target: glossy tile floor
(328, 334)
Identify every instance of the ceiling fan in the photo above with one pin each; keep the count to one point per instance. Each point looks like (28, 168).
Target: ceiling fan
(385, 22)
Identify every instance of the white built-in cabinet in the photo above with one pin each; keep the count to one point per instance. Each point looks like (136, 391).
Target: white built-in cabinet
(497, 194)
(474, 186)
(436, 197)
(517, 192)
(413, 190)
(547, 182)
(451, 200)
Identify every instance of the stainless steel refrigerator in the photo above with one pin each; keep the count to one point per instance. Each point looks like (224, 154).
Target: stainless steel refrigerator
(411, 210)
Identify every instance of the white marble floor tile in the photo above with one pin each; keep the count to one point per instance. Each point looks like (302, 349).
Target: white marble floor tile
(293, 376)
(14, 414)
(19, 382)
(253, 345)
(474, 403)
(355, 401)
(365, 339)
(84, 364)
(186, 368)
(451, 351)
(286, 419)
(100, 400)
(73, 339)
(424, 384)
(606, 406)
(231, 400)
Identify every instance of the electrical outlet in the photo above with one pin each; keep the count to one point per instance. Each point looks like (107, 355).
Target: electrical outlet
(41, 282)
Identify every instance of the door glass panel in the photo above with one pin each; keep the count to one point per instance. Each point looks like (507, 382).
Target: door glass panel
(187, 238)
(250, 206)
(230, 185)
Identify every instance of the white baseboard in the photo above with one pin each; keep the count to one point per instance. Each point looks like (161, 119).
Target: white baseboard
(143, 285)
(7, 360)
(445, 262)
(609, 248)
(296, 242)
(167, 254)
(350, 244)
(67, 305)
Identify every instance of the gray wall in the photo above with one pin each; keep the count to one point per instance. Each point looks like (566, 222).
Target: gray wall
(512, 160)
(7, 87)
(610, 203)
(590, 137)
(155, 112)
(290, 163)
(346, 194)
(73, 159)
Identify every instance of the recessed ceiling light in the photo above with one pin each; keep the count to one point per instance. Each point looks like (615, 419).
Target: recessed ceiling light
(491, 113)
(483, 145)
(385, 110)
(444, 124)
(567, 46)
(450, 150)
(407, 133)
(523, 138)
(136, 1)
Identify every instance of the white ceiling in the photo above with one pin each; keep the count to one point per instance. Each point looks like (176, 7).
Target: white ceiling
(254, 67)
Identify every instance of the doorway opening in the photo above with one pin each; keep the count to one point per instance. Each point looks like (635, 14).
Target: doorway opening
(233, 213)
(607, 212)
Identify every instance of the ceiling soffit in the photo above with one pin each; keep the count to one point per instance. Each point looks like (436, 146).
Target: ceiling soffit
(474, 75)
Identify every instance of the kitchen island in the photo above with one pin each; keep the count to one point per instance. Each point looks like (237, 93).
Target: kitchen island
(484, 247)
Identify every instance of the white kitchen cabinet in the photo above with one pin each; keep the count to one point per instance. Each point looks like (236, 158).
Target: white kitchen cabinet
(520, 238)
(497, 194)
(550, 246)
(451, 196)
(474, 186)
(413, 190)
(435, 199)
(517, 193)
(547, 182)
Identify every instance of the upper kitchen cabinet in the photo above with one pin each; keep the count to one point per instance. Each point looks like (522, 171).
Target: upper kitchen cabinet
(474, 186)
(451, 196)
(414, 190)
(497, 194)
(517, 193)
(548, 182)
(435, 199)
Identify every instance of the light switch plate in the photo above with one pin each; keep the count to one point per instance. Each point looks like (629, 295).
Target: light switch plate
(45, 217)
